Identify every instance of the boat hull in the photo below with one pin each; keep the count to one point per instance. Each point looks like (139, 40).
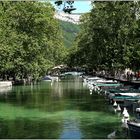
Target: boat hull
(134, 130)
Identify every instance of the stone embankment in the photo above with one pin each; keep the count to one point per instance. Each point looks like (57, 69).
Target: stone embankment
(5, 83)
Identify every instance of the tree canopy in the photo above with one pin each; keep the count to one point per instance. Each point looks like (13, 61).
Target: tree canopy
(30, 39)
(109, 37)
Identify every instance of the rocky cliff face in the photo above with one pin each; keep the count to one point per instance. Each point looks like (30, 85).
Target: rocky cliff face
(73, 18)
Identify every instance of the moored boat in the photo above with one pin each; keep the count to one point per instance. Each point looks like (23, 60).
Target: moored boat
(47, 78)
(51, 78)
(134, 126)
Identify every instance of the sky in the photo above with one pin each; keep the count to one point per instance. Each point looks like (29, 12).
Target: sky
(81, 6)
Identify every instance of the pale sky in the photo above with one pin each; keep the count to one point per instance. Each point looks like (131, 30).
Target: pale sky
(81, 6)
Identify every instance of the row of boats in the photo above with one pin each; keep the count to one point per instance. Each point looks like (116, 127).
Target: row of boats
(122, 97)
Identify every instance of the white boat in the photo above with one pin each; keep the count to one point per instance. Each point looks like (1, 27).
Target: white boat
(50, 78)
(90, 80)
(129, 94)
(93, 80)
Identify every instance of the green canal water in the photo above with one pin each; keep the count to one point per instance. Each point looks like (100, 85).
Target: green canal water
(63, 110)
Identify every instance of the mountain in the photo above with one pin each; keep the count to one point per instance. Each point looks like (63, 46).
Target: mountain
(70, 31)
(69, 23)
(73, 18)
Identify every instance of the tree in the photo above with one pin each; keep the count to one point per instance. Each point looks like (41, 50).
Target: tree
(30, 38)
(109, 35)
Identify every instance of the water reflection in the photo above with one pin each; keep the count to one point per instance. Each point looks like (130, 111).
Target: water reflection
(25, 128)
(5, 90)
(62, 110)
(71, 129)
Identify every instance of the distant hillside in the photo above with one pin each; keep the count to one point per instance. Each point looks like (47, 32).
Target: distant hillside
(74, 18)
(70, 31)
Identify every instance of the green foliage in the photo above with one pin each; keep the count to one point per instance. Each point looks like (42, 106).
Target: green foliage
(69, 31)
(109, 36)
(30, 39)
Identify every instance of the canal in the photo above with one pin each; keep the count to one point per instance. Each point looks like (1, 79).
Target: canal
(61, 110)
